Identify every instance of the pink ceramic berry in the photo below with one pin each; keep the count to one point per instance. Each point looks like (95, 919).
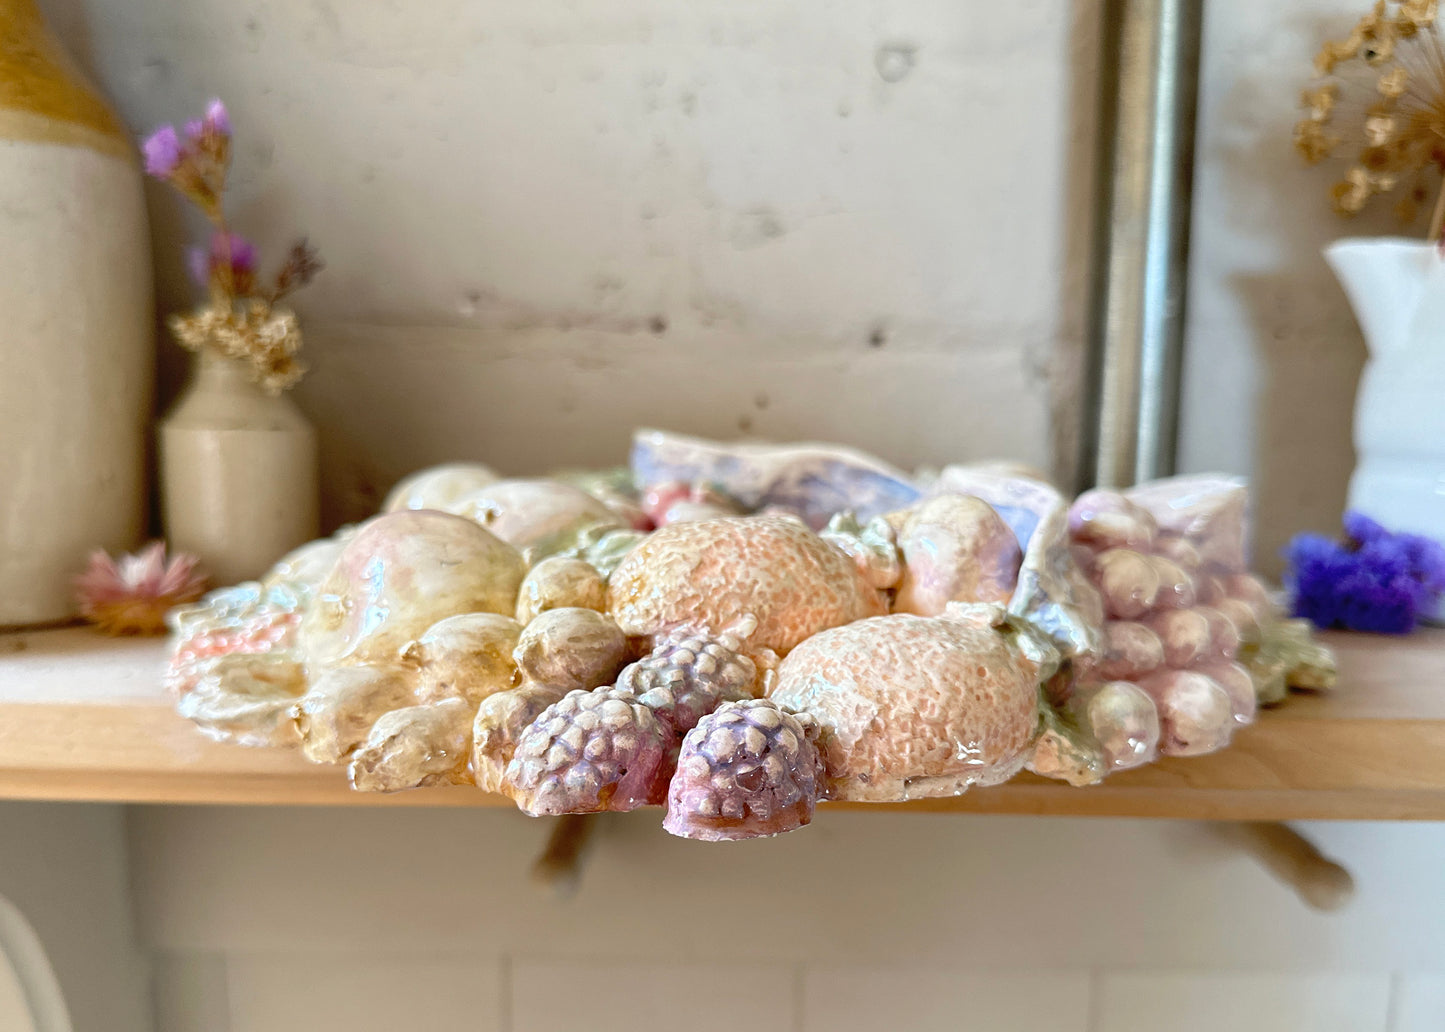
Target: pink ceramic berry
(589, 752)
(1131, 651)
(1238, 685)
(684, 679)
(1244, 617)
(1106, 519)
(747, 770)
(1128, 581)
(1123, 720)
(1195, 713)
(1185, 634)
(1176, 586)
(1224, 635)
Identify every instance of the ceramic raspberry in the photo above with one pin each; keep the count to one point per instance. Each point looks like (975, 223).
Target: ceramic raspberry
(747, 770)
(587, 753)
(685, 678)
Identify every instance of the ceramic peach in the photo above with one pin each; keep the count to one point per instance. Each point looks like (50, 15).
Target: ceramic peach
(537, 517)
(710, 573)
(955, 548)
(399, 574)
(915, 706)
(438, 487)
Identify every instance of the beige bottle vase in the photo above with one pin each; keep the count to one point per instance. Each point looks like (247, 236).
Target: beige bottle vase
(76, 325)
(238, 472)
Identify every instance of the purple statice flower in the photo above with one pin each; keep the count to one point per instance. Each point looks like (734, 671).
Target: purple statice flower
(217, 121)
(217, 118)
(163, 152)
(232, 247)
(1374, 580)
(1361, 529)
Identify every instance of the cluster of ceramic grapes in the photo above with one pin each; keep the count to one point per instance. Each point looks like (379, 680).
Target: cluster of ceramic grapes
(1176, 608)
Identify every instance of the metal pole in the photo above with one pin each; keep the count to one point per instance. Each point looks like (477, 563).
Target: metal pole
(1149, 81)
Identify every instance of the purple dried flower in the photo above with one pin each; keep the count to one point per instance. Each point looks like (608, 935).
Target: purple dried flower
(225, 248)
(217, 118)
(162, 152)
(1427, 560)
(1373, 581)
(194, 128)
(1362, 529)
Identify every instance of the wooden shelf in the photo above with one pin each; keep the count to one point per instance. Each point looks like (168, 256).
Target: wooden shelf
(83, 717)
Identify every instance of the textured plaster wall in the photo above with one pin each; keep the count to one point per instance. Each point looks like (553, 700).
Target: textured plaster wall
(549, 222)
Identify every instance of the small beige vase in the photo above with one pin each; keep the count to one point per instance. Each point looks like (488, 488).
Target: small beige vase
(238, 472)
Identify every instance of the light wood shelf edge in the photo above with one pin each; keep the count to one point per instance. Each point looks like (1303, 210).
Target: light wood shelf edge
(1374, 751)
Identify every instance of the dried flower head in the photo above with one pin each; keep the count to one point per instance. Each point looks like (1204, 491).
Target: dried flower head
(1384, 88)
(1374, 580)
(229, 264)
(132, 594)
(266, 337)
(241, 320)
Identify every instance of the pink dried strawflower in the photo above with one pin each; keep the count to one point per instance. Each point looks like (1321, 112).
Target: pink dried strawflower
(132, 594)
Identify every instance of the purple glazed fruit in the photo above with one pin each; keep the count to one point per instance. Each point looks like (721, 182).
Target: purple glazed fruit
(684, 679)
(747, 770)
(587, 753)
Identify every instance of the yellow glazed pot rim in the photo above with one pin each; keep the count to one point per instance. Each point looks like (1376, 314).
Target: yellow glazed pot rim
(44, 97)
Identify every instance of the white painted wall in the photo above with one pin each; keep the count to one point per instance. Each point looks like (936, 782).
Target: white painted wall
(1273, 350)
(514, 198)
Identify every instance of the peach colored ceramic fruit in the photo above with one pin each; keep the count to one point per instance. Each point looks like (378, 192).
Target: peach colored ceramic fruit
(710, 573)
(915, 706)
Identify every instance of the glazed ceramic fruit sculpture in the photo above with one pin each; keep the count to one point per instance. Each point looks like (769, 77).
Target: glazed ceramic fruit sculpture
(536, 638)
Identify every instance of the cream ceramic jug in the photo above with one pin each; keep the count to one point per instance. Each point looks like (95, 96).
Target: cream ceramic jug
(76, 325)
(1397, 289)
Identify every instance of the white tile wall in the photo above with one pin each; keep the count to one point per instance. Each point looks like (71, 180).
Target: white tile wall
(942, 1000)
(614, 995)
(922, 921)
(1236, 1002)
(1419, 1003)
(368, 992)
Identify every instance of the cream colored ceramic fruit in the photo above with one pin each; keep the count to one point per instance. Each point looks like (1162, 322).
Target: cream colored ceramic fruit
(238, 472)
(399, 575)
(76, 340)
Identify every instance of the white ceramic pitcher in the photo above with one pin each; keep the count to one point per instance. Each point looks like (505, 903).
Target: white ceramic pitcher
(1397, 289)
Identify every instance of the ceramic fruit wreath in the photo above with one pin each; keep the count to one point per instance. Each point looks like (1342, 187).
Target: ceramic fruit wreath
(738, 632)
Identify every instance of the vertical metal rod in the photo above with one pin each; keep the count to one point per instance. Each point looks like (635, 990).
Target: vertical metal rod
(1149, 85)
